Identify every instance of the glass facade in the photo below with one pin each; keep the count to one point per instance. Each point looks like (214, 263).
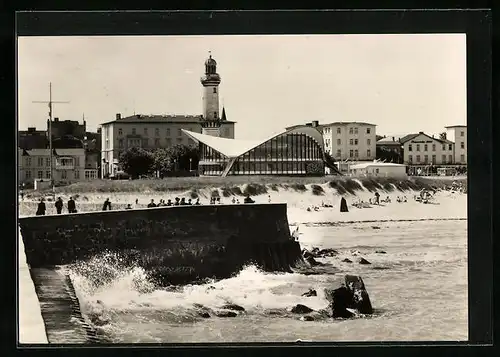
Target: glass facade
(286, 154)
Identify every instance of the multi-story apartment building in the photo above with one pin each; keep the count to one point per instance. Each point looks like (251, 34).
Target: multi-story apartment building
(350, 140)
(458, 135)
(422, 149)
(163, 131)
(68, 165)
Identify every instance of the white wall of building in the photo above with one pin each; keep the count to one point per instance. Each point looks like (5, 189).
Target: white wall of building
(458, 134)
(378, 170)
(353, 141)
(424, 149)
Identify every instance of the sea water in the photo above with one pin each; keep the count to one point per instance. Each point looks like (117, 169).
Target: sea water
(418, 289)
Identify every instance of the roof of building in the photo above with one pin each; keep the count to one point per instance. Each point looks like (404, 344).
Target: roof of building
(390, 140)
(364, 165)
(409, 137)
(455, 126)
(178, 119)
(236, 147)
(347, 123)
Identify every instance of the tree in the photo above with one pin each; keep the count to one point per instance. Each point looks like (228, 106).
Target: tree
(163, 161)
(137, 161)
(442, 136)
(181, 154)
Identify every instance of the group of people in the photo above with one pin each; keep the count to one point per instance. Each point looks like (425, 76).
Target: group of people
(59, 204)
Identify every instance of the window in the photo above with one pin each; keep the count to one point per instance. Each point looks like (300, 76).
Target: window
(443, 159)
(327, 142)
(369, 153)
(418, 158)
(215, 115)
(47, 174)
(40, 174)
(351, 141)
(425, 147)
(410, 147)
(168, 131)
(450, 147)
(338, 153)
(157, 132)
(351, 153)
(40, 161)
(179, 132)
(179, 140)
(120, 143)
(338, 141)
(433, 147)
(47, 161)
(145, 131)
(356, 154)
(368, 130)
(410, 159)
(339, 130)
(444, 147)
(355, 141)
(77, 161)
(226, 132)
(462, 158)
(450, 159)
(169, 141)
(377, 170)
(215, 89)
(120, 132)
(350, 130)
(133, 131)
(368, 141)
(462, 145)
(462, 133)
(355, 130)
(426, 159)
(418, 147)
(64, 175)
(28, 174)
(157, 142)
(77, 175)
(433, 159)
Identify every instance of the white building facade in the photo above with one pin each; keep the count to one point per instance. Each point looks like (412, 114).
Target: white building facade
(350, 140)
(422, 149)
(458, 135)
(378, 169)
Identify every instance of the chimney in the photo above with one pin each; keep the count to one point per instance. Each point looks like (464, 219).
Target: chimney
(315, 123)
(118, 116)
(420, 132)
(138, 116)
(56, 120)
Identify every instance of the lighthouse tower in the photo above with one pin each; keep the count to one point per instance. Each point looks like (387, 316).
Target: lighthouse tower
(211, 122)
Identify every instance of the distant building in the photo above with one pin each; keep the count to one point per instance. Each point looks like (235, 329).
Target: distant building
(32, 139)
(294, 152)
(390, 149)
(163, 131)
(422, 149)
(350, 140)
(458, 135)
(61, 128)
(378, 169)
(68, 165)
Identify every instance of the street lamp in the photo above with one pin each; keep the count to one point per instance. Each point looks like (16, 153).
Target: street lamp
(190, 161)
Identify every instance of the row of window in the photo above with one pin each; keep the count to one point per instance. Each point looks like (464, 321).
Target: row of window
(352, 130)
(145, 142)
(157, 131)
(354, 153)
(426, 159)
(450, 147)
(351, 142)
(46, 174)
(41, 161)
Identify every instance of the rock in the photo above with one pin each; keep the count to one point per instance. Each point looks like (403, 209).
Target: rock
(375, 227)
(233, 307)
(306, 254)
(380, 252)
(380, 268)
(361, 300)
(347, 260)
(306, 318)
(364, 261)
(340, 299)
(225, 313)
(310, 293)
(301, 309)
(204, 314)
(312, 261)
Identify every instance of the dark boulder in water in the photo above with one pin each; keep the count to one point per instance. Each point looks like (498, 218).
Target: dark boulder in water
(347, 260)
(328, 252)
(301, 309)
(225, 313)
(233, 307)
(380, 252)
(351, 294)
(310, 293)
(364, 261)
(307, 254)
(312, 261)
(375, 227)
(307, 318)
(204, 314)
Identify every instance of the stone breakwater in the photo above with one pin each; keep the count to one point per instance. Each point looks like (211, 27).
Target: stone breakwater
(175, 245)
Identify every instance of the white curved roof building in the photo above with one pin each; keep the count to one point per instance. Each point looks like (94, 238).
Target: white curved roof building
(298, 151)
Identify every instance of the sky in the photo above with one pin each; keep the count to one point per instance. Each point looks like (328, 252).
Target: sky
(401, 83)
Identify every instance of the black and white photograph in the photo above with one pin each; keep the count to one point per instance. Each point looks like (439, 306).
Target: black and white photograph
(242, 188)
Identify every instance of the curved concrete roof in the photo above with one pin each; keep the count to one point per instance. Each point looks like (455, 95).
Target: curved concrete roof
(235, 147)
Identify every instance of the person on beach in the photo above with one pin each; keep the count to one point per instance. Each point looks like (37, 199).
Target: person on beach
(248, 200)
(22, 194)
(59, 205)
(190, 202)
(233, 200)
(41, 208)
(377, 198)
(136, 201)
(343, 205)
(169, 202)
(269, 198)
(212, 200)
(218, 200)
(151, 204)
(176, 201)
(197, 203)
(129, 206)
(183, 202)
(106, 205)
(71, 205)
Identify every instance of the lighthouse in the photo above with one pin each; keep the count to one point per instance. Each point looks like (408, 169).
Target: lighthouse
(211, 121)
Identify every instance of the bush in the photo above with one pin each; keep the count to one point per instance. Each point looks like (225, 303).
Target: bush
(226, 192)
(254, 189)
(194, 194)
(274, 187)
(371, 184)
(317, 190)
(299, 187)
(338, 187)
(236, 190)
(215, 193)
(315, 168)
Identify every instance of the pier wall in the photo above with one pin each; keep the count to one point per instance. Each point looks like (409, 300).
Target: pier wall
(175, 244)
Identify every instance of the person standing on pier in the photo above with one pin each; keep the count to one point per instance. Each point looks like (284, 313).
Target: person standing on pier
(59, 205)
(106, 205)
(41, 208)
(71, 205)
(152, 204)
